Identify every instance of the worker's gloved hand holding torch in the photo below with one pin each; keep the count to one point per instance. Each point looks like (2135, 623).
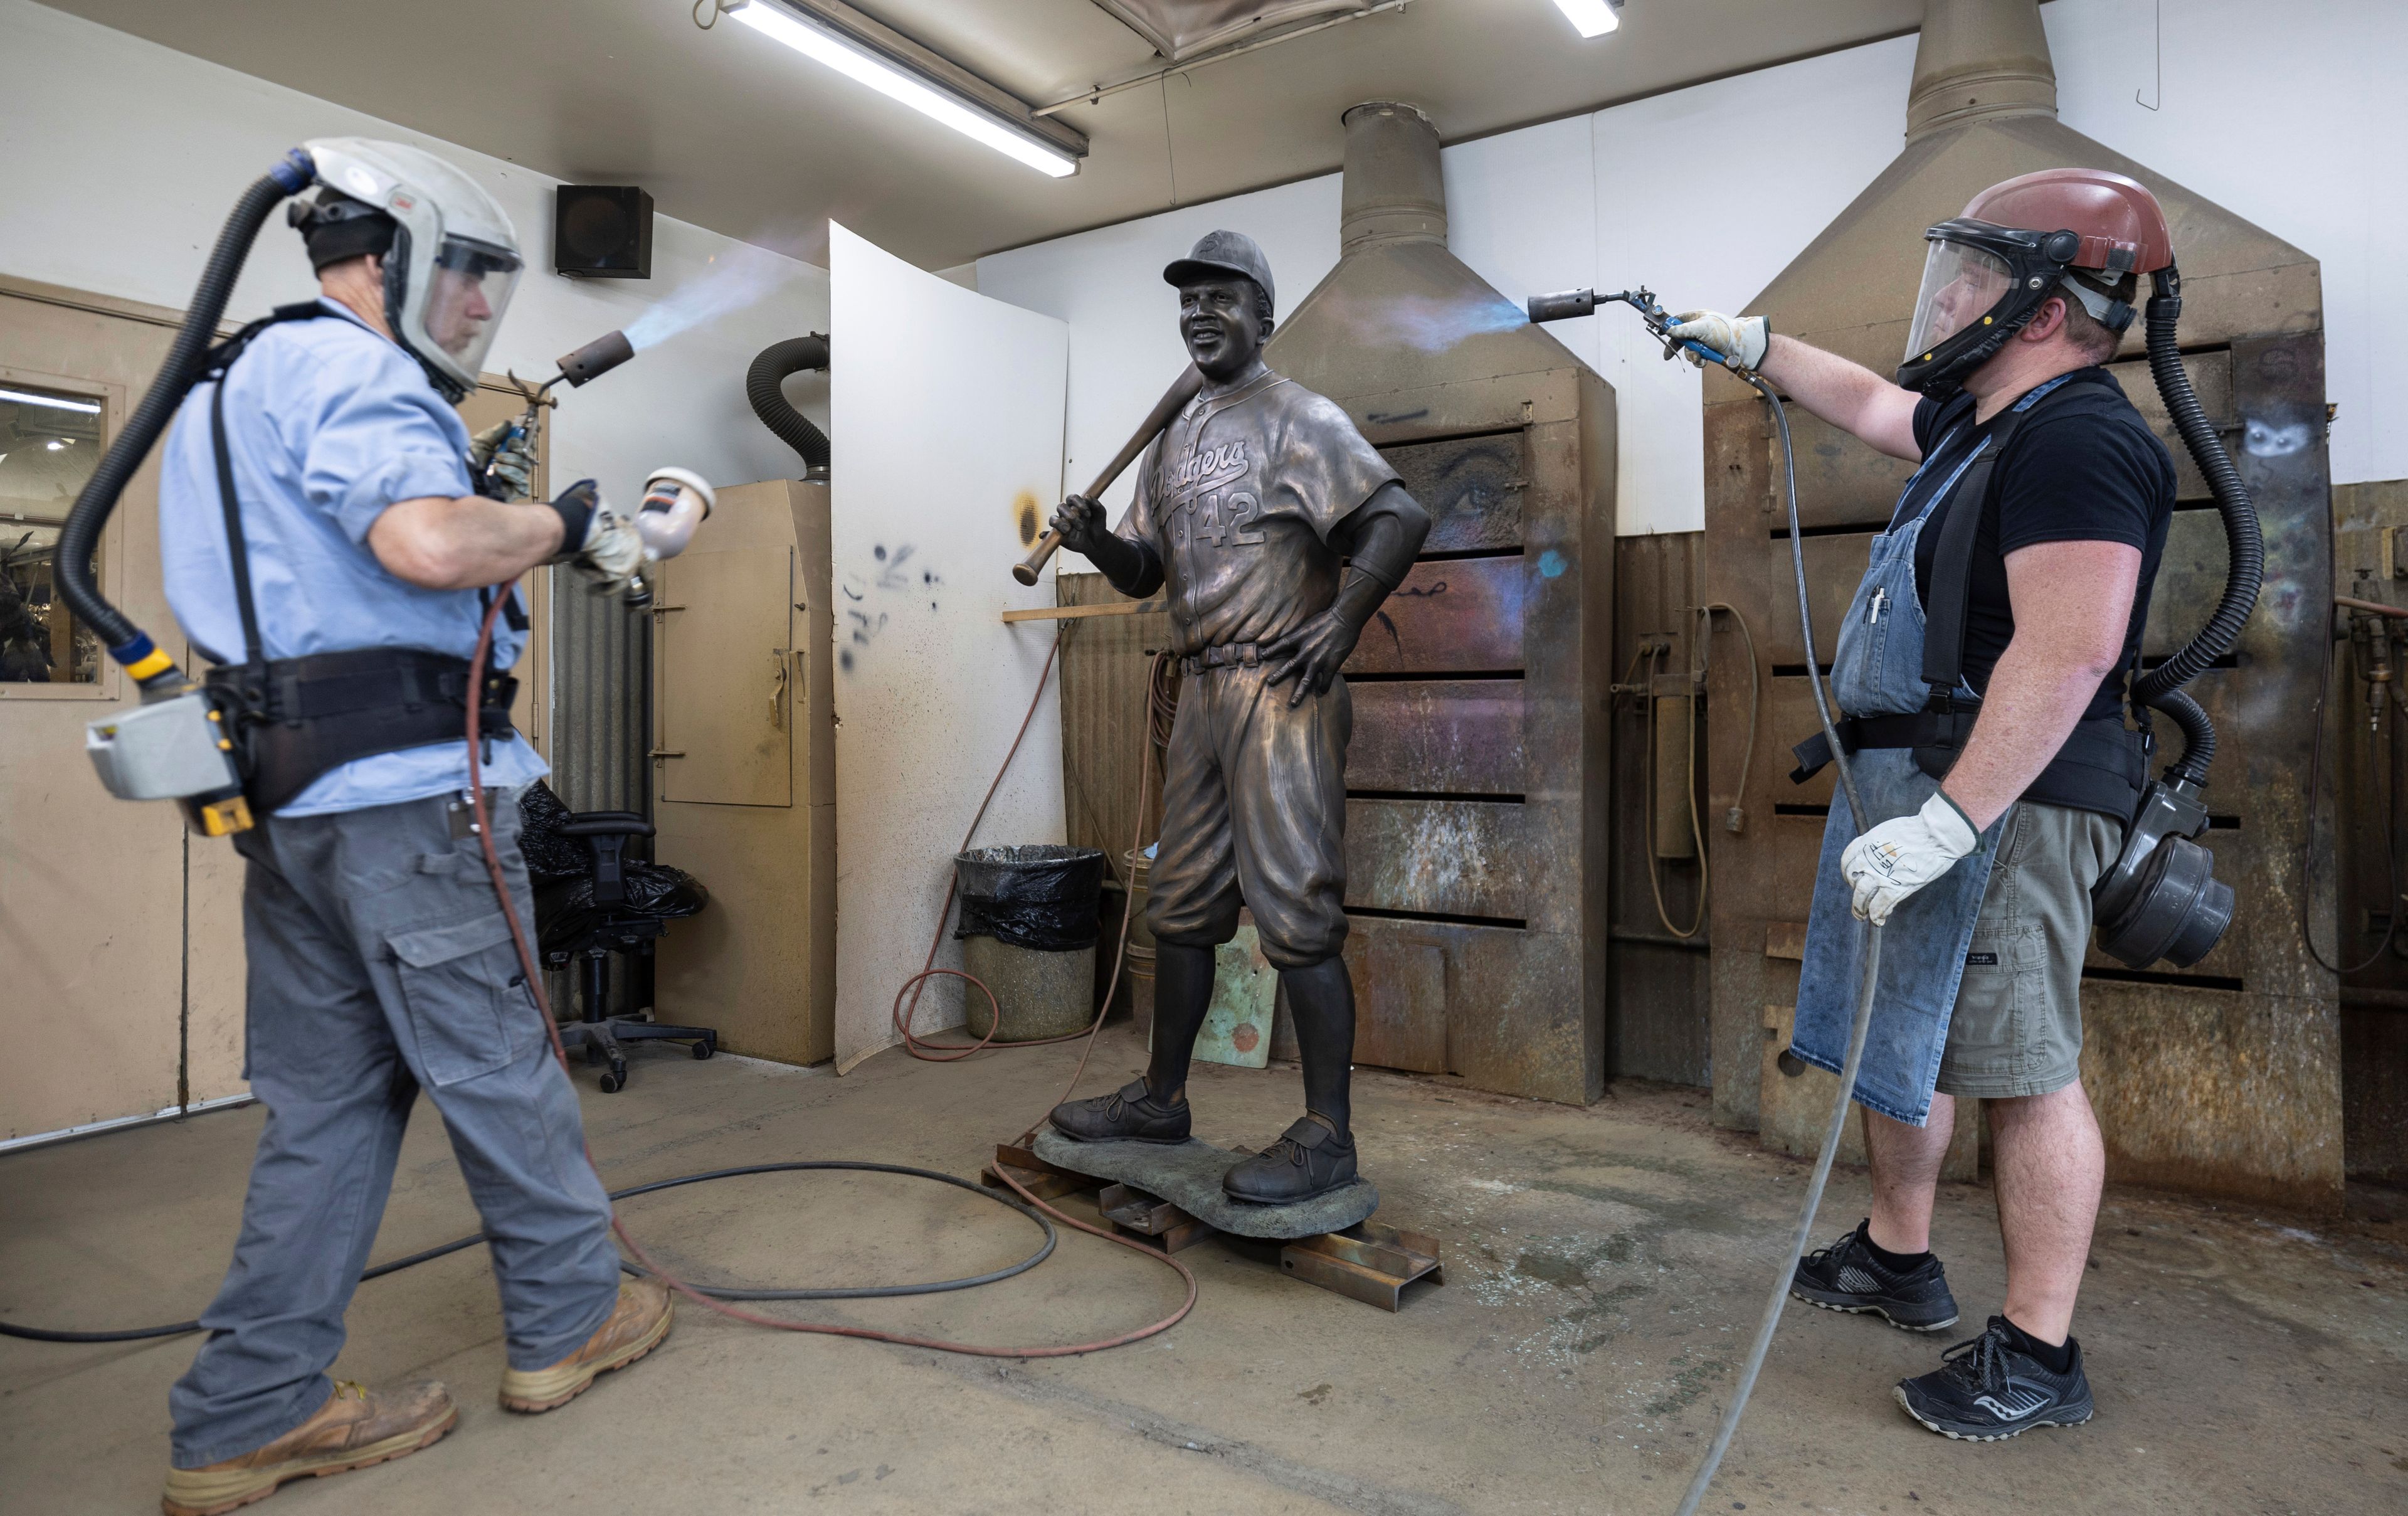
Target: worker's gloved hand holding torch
(1888, 863)
(1740, 340)
(501, 463)
(602, 543)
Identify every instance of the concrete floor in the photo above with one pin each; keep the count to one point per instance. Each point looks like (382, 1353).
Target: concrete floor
(1605, 1268)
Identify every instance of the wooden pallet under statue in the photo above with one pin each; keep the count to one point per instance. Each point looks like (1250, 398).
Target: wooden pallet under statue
(1168, 1197)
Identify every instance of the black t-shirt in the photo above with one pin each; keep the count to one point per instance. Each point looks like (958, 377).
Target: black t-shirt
(2082, 467)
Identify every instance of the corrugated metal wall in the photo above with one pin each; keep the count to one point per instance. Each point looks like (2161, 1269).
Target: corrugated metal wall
(1659, 987)
(601, 699)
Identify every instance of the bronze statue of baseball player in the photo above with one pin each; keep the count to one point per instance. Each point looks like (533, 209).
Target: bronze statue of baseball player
(1275, 531)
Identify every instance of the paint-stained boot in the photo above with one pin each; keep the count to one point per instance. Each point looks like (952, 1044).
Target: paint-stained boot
(356, 1426)
(634, 1328)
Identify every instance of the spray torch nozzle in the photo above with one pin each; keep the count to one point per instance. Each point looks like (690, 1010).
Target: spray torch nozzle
(1571, 303)
(595, 358)
(1564, 306)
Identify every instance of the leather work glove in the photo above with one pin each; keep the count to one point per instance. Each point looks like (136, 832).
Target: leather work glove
(601, 543)
(1893, 860)
(509, 458)
(1740, 340)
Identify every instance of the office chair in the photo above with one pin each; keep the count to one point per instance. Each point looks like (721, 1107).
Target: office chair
(620, 930)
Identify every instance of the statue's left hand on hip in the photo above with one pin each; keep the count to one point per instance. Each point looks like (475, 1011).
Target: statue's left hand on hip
(1310, 654)
(1891, 862)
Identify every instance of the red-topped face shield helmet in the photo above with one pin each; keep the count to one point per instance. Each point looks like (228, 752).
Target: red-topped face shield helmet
(2082, 234)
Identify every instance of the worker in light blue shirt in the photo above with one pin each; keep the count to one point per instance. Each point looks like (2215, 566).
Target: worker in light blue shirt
(329, 422)
(324, 546)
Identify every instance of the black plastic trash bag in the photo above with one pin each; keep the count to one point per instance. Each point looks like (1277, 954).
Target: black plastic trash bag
(1039, 895)
(566, 912)
(550, 856)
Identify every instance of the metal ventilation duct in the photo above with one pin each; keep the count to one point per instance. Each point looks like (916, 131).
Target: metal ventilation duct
(1181, 29)
(1477, 777)
(2223, 1078)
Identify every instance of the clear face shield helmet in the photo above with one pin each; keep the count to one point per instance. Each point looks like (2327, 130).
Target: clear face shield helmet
(468, 288)
(1983, 283)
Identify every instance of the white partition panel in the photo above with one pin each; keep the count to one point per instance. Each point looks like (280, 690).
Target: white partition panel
(947, 411)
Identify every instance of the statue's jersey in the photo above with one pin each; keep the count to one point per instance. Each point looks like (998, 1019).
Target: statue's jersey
(1238, 497)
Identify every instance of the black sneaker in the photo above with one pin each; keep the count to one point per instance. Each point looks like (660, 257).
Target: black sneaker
(1308, 1159)
(1987, 1389)
(1129, 1113)
(1846, 1277)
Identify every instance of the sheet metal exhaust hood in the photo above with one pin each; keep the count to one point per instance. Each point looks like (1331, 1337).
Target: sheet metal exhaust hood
(1399, 309)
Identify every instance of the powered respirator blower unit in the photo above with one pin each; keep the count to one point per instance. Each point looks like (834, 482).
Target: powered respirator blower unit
(2160, 899)
(187, 742)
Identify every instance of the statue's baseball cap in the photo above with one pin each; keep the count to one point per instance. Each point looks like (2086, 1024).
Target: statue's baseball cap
(1224, 252)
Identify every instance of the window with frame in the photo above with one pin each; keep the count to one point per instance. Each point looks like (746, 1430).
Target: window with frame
(49, 445)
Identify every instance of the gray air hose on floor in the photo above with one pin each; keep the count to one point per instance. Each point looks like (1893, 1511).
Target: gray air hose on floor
(764, 386)
(1857, 1026)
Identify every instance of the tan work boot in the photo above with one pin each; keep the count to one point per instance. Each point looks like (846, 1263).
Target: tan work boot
(354, 1428)
(633, 1329)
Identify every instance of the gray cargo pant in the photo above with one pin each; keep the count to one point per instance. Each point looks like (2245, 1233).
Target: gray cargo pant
(380, 964)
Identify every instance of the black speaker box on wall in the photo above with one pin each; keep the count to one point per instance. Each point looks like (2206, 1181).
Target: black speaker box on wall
(602, 231)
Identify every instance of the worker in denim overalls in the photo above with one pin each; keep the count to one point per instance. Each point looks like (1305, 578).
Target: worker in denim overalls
(2019, 559)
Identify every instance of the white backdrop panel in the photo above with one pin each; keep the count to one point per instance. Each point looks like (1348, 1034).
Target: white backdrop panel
(946, 421)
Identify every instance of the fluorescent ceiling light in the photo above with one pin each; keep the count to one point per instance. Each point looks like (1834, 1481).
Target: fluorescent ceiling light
(1590, 18)
(854, 60)
(57, 402)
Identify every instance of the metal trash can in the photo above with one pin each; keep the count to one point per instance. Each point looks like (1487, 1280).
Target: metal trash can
(1028, 931)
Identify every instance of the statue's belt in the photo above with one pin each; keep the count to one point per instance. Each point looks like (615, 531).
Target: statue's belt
(1225, 655)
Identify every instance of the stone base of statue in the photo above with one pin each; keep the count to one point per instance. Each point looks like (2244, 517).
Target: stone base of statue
(1188, 1175)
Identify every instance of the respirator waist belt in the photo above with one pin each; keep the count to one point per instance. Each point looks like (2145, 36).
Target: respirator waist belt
(296, 719)
(2102, 767)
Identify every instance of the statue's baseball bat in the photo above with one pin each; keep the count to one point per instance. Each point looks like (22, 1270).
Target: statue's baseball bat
(1173, 401)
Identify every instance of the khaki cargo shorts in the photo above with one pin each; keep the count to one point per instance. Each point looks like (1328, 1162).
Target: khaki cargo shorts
(2017, 1026)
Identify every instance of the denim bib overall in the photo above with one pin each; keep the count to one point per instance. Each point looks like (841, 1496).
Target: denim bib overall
(1877, 669)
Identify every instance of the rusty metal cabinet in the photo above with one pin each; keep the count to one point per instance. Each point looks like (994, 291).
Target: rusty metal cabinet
(744, 773)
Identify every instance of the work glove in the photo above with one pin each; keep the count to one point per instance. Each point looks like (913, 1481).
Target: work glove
(502, 465)
(1893, 860)
(1740, 340)
(598, 542)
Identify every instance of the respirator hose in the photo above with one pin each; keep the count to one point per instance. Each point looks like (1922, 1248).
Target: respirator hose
(2199, 733)
(80, 537)
(2246, 551)
(1858, 1028)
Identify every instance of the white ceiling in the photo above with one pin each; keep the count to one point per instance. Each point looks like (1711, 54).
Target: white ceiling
(728, 130)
